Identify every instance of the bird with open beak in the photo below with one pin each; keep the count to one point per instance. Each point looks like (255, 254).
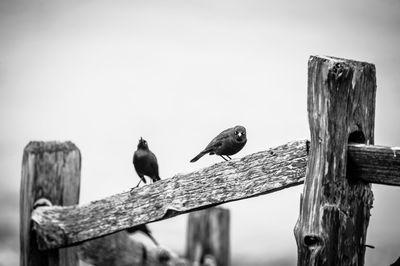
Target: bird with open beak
(145, 162)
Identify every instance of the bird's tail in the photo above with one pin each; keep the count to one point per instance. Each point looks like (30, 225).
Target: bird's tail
(201, 154)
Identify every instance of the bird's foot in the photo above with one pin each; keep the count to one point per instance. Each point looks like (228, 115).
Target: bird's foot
(223, 158)
(131, 191)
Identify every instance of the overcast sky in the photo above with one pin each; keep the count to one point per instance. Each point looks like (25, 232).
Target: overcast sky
(104, 73)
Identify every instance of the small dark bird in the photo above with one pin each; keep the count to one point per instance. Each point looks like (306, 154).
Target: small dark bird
(228, 142)
(145, 162)
(145, 230)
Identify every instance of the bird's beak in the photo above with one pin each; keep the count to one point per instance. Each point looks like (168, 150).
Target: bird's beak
(240, 134)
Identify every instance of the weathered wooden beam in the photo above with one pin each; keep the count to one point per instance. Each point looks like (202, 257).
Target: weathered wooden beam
(334, 210)
(245, 182)
(261, 176)
(253, 175)
(374, 164)
(119, 249)
(208, 235)
(50, 175)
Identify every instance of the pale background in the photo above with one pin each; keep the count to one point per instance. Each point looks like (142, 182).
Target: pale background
(104, 73)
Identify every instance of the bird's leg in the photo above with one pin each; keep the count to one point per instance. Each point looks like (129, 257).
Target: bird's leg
(135, 187)
(223, 158)
(228, 157)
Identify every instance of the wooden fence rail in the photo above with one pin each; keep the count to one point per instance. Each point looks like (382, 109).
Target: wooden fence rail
(337, 167)
(253, 175)
(250, 176)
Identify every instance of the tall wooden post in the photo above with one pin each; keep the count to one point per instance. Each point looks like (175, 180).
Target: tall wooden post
(334, 208)
(50, 175)
(208, 236)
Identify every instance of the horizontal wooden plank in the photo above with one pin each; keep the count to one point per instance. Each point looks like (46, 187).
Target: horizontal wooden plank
(253, 175)
(374, 164)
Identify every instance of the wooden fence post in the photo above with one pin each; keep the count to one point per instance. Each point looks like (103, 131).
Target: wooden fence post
(334, 208)
(50, 175)
(208, 236)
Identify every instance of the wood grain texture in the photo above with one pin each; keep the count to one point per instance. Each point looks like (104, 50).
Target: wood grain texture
(195, 191)
(50, 170)
(253, 175)
(208, 234)
(259, 177)
(374, 164)
(121, 250)
(334, 210)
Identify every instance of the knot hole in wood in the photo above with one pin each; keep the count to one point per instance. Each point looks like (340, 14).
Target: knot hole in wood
(357, 137)
(312, 240)
(42, 202)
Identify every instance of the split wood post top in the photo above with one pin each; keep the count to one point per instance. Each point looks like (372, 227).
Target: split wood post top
(50, 176)
(334, 208)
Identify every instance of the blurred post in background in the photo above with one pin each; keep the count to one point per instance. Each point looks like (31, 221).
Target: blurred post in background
(208, 237)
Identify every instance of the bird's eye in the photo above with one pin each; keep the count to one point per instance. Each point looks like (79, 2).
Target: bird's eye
(145, 142)
(236, 132)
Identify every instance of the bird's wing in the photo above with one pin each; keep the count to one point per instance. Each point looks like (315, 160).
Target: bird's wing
(217, 141)
(153, 163)
(135, 164)
(214, 144)
(134, 160)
